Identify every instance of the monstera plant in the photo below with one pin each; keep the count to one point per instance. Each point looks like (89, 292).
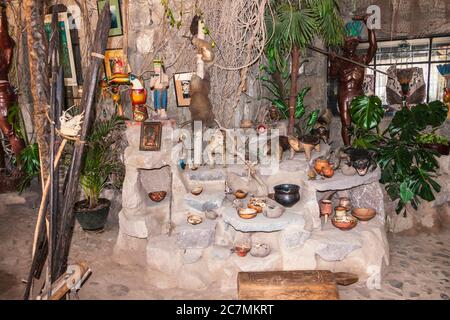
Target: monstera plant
(366, 113)
(408, 169)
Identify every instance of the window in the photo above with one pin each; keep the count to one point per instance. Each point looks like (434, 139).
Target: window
(425, 53)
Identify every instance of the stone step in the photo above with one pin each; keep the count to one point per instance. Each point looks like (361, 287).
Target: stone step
(205, 174)
(199, 236)
(205, 201)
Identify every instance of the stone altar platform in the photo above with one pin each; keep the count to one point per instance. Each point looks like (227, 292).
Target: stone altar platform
(195, 256)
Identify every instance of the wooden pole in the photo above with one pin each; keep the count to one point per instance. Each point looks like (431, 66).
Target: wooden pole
(347, 59)
(87, 101)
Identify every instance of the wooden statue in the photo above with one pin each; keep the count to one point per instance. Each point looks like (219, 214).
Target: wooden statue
(159, 83)
(7, 95)
(350, 75)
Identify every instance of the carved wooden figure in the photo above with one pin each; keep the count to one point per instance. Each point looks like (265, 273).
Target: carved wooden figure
(350, 75)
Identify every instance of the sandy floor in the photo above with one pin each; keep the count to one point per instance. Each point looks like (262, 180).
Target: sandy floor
(420, 265)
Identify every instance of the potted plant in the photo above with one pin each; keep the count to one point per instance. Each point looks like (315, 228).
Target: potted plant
(100, 162)
(292, 26)
(435, 142)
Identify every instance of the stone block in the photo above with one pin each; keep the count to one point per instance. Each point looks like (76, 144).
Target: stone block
(205, 174)
(195, 237)
(336, 251)
(205, 201)
(294, 236)
(299, 258)
(224, 234)
(164, 255)
(248, 263)
(334, 245)
(192, 255)
(369, 196)
(134, 227)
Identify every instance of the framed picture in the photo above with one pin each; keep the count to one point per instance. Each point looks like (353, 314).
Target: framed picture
(150, 136)
(115, 62)
(182, 82)
(116, 17)
(68, 61)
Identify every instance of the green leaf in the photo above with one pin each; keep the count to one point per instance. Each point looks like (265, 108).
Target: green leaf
(366, 112)
(300, 103)
(406, 194)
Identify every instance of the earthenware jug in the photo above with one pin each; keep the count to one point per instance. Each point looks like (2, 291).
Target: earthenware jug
(287, 194)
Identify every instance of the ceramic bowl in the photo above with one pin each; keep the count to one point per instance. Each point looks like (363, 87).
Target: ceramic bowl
(247, 213)
(194, 219)
(240, 194)
(345, 223)
(197, 190)
(241, 250)
(211, 214)
(157, 196)
(260, 250)
(272, 210)
(364, 214)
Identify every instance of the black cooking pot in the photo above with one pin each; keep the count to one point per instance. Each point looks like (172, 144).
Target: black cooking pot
(287, 194)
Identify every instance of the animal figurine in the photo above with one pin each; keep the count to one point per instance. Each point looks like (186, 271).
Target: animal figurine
(297, 146)
(362, 160)
(201, 108)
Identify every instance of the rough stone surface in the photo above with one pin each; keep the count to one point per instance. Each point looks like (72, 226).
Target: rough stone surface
(164, 255)
(294, 235)
(248, 263)
(192, 255)
(205, 174)
(133, 227)
(257, 224)
(195, 237)
(205, 201)
(336, 251)
(341, 182)
(369, 196)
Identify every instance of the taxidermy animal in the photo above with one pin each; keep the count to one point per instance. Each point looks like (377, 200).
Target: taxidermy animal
(322, 127)
(362, 160)
(201, 107)
(204, 48)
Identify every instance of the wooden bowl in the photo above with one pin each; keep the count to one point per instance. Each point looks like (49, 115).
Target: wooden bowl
(247, 213)
(197, 190)
(157, 196)
(364, 214)
(346, 223)
(240, 194)
(194, 219)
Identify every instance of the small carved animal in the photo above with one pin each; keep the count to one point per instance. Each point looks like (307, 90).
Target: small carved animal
(200, 106)
(362, 160)
(204, 48)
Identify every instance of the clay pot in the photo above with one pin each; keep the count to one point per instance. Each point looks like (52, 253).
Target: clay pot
(326, 207)
(92, 219)
(328, 172)
(138, 96)
(240, 194)
(320, 164)
(242, 251)
(157, 196)
(287, 194)
(345, 223)
(273, 210)
(260, 250)
(364, 214)
(197, 191)
(345, 202)
(340, 212)
(194, 219)
(247, 213)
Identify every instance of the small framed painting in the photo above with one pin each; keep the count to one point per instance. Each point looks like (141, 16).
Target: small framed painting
(116, 17)
(67, 59)
(182, 81)
(115, 62)
(151, 133)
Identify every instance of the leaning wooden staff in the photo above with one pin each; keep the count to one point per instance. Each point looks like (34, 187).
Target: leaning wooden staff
(52, 238)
